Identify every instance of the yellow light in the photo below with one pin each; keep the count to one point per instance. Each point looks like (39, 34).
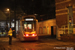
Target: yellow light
(33, 32)
(7, 9)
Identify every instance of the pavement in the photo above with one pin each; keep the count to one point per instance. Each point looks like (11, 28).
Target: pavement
(42, 44)
(5, 39)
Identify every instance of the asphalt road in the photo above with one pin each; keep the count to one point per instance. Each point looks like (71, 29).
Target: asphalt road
(41, 44)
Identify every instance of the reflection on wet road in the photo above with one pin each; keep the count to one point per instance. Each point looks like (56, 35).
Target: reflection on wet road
(42, 44)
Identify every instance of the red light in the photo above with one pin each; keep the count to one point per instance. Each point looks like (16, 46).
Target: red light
(26, 35)
(34, 34)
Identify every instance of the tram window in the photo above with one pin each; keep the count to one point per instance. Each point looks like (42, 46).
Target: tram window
(29, 26)
(25, 26)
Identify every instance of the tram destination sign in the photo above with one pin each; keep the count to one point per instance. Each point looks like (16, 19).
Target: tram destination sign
(29, 19)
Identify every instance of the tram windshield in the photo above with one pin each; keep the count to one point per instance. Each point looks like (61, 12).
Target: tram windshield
(29, 26)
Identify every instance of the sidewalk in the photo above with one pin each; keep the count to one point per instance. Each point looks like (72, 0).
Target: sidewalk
(6, 39)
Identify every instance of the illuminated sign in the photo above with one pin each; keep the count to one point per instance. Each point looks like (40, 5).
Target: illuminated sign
(30, 19)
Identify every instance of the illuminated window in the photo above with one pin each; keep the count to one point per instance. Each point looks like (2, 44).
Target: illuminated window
(29, 26)
(25, 26)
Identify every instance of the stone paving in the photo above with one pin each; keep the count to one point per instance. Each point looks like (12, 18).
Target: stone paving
(43, 44)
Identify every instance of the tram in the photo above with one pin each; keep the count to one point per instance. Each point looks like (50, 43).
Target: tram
(28, 28)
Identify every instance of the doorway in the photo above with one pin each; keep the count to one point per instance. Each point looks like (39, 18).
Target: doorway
(52, 33)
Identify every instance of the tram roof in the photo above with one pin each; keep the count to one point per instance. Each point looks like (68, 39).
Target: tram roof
(29, 16)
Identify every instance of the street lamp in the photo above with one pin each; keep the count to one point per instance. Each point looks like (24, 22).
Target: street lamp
(8, 10)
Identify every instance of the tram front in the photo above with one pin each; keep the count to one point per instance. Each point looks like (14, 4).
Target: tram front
(29, 27)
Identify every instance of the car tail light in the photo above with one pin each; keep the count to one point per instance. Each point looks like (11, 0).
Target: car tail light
(34, 34)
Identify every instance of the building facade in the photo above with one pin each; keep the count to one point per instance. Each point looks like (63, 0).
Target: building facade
(65, 15)
(47, 27)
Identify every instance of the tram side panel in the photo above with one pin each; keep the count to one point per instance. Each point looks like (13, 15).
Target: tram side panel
(21, 32)
(37, 26)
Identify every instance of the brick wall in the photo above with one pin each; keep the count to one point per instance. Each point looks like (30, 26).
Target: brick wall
(62, 14)
(61, 20)
(62, 11)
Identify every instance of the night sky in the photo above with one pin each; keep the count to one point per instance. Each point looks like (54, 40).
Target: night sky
(40, 7)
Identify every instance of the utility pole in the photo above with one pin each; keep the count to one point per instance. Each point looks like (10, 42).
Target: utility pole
(9, 13)
(10, 18)
(15, 17)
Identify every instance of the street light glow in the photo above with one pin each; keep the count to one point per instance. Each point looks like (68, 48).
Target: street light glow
(7, 9)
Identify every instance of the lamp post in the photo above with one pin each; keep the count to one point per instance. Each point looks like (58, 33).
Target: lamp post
(15, 17)
(8, 10)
